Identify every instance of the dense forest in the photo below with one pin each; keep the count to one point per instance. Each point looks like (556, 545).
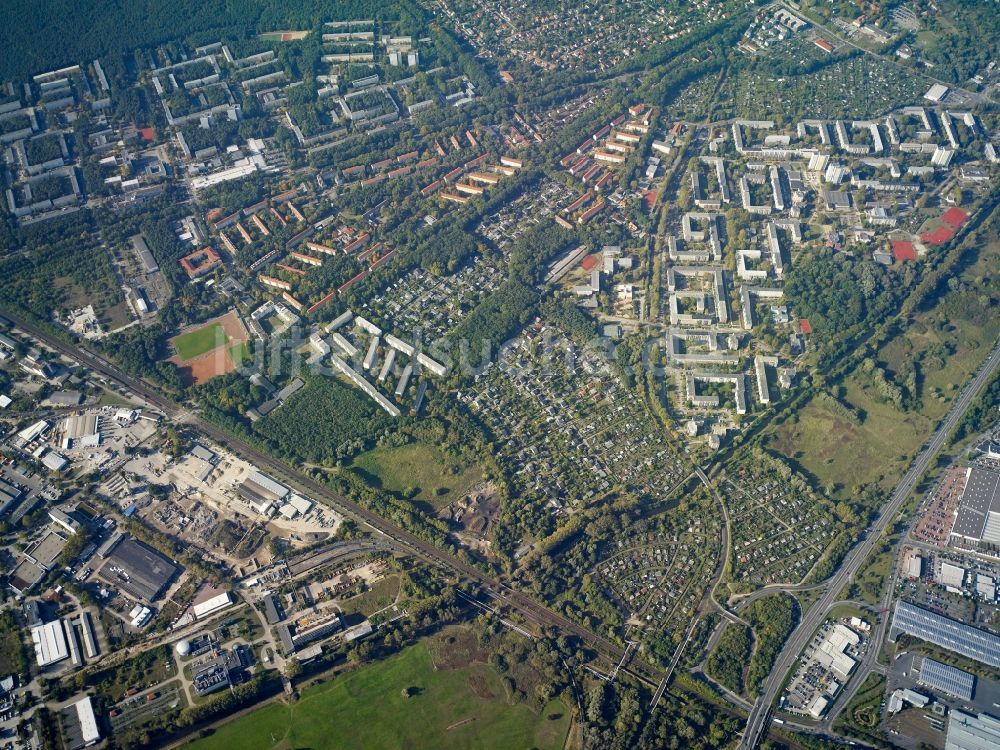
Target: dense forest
(70, 32)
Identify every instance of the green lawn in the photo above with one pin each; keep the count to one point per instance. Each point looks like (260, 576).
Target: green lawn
(839, 451)
(380, 595)
(239, 352)
(451, 708)
(195, 343)
(422, 467)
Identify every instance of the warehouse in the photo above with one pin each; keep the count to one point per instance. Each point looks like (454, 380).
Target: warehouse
(211, 600)
(967, 732)
(79, 724)
(50, 643)
(259, 486)
(947, 679)
(979, 512)
(943, 631)
(138, 570)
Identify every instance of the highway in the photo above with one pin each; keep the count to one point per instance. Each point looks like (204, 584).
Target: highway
(758, 721)
(529, 608)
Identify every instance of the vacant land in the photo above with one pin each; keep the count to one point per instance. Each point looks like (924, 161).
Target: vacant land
(948, 341)
(464, 707)
(379, 595)
(12, 651)
(727, 663)
(424, 469)
(937, 351)
(841, 452)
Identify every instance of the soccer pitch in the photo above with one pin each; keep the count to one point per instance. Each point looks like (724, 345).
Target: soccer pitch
(195, 343)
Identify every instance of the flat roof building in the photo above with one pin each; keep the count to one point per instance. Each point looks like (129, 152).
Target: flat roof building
(936, 93)
(942, 631)
(79, 724)
(978, 517)
(945, 678)
(967, 732)
(141, 249)
(138, 569)
(211, 600)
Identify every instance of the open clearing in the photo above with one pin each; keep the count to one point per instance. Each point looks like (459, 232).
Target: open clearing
(839, 451)
(379, 595)
(421, 467)
(947, 341)
(465, 707)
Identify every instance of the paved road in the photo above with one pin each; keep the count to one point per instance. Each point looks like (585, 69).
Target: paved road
(758, 721)
(530, 609)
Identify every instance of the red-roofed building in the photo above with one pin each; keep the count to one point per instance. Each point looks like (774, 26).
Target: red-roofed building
(805, 326)
(902, 250)
(147, 134)
(200, 262)
(954, 217)
(823, 45)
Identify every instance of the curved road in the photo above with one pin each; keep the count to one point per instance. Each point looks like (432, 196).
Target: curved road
(759, 719)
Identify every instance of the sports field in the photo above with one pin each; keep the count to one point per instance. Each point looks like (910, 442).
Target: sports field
(200, 341)
(283, 36)
(465, 707)
(215, 348)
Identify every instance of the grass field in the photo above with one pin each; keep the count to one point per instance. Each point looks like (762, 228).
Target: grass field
(948, 341)
(200, 341)
(453, 708)
(380, 595)
(239, 352)
(862, 713)
(419, 466)
(840, 452)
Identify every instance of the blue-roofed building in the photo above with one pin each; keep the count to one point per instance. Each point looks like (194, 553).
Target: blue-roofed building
(942, 631)
(945, 678)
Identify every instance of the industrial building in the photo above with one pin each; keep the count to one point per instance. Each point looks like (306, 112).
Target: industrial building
(271, 609)
(79, 724)
(50, 643)
(942, 631)
(979, 512)
(968, 732)
(261, 492)
(831, 653)
(138, 570)
(217, 673)
(945, 678)
(308, 630)
(209, 601)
